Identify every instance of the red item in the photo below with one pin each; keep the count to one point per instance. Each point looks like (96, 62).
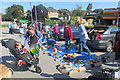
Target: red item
(25, 50)
(70, 32)
(49, 28)
(54, 53)
(44, 29)
(60, 30)
(56, 28)
(21, 62)
(46, 52)
(99, 37)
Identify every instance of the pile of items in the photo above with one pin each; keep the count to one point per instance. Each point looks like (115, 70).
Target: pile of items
(71, 60)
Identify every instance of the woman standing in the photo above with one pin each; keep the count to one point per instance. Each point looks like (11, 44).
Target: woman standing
(56, 31)
(33, 38)
(67, 35)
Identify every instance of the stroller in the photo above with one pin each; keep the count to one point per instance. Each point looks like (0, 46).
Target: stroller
(26, 59)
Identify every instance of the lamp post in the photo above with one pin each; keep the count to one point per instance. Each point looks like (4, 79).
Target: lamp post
(36, 16)
(31, 12)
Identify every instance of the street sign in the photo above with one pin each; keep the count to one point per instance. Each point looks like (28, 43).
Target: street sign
(25, 21)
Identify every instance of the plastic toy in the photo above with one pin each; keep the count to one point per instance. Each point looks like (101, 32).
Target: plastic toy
(35, 51)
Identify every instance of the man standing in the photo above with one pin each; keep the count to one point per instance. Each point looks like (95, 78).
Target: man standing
(83, 37)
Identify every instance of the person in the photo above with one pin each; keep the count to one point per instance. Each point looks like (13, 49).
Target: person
(67, 35)
(21, 50)
(50, 30)
(33, 38)
(25, 25)
(11, 28)
(18, 25)
(116, 48)
(56, 31)
(61, 28)
(15, 25)
(19, 47)
(83, 37)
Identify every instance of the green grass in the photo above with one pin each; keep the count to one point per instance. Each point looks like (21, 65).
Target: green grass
(4, 25)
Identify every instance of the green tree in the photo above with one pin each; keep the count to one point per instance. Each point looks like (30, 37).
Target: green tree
(64, 11)
(89, 7)
(78, 11)
(28, 17)
(15, 11)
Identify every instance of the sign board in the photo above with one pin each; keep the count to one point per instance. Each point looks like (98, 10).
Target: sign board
(25, 21)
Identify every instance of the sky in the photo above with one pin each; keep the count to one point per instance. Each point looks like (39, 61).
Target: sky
(59, 5)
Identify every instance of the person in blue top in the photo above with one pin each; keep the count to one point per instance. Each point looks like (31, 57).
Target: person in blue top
(83, 37)
(11, 28)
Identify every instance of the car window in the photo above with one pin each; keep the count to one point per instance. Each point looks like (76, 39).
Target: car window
(100, 30)
(74, 27)
(114, 30)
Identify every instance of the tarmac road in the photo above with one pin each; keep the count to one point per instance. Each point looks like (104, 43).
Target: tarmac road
(47, 63)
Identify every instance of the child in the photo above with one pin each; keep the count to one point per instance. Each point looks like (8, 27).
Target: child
(50, 29)
(20, 50)
(67, 35)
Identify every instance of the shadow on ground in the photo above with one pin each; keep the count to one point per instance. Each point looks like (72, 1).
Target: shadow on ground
(57, 76)
(10, 62)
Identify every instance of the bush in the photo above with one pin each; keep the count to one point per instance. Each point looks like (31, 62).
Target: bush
(48, 21)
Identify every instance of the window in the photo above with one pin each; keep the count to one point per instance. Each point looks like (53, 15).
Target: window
(113, 31)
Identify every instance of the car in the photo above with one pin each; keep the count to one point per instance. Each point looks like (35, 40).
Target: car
(102, 37)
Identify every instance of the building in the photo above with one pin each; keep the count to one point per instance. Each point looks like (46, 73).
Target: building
(52, 13)
(107, 16)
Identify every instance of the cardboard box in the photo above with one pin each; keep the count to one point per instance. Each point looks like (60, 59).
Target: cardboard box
(74, 71)
(82, 68)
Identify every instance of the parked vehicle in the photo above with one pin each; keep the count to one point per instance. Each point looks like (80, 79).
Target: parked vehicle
(102, 37)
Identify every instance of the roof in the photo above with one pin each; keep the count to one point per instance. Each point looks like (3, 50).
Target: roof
(51, 10)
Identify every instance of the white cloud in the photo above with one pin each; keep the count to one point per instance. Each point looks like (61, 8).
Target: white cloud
(3, 9)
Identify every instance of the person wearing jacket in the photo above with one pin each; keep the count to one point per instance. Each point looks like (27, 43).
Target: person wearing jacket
(116, 48)
(33, 38)
(67, 35)
(83, 37)
(56, 31)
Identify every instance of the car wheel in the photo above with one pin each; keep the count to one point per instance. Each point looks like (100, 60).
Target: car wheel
(109, 47)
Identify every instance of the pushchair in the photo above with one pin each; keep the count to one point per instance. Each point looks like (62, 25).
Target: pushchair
(27, 59)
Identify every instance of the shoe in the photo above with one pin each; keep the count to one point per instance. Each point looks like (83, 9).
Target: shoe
(89, 53)
(66, 48)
